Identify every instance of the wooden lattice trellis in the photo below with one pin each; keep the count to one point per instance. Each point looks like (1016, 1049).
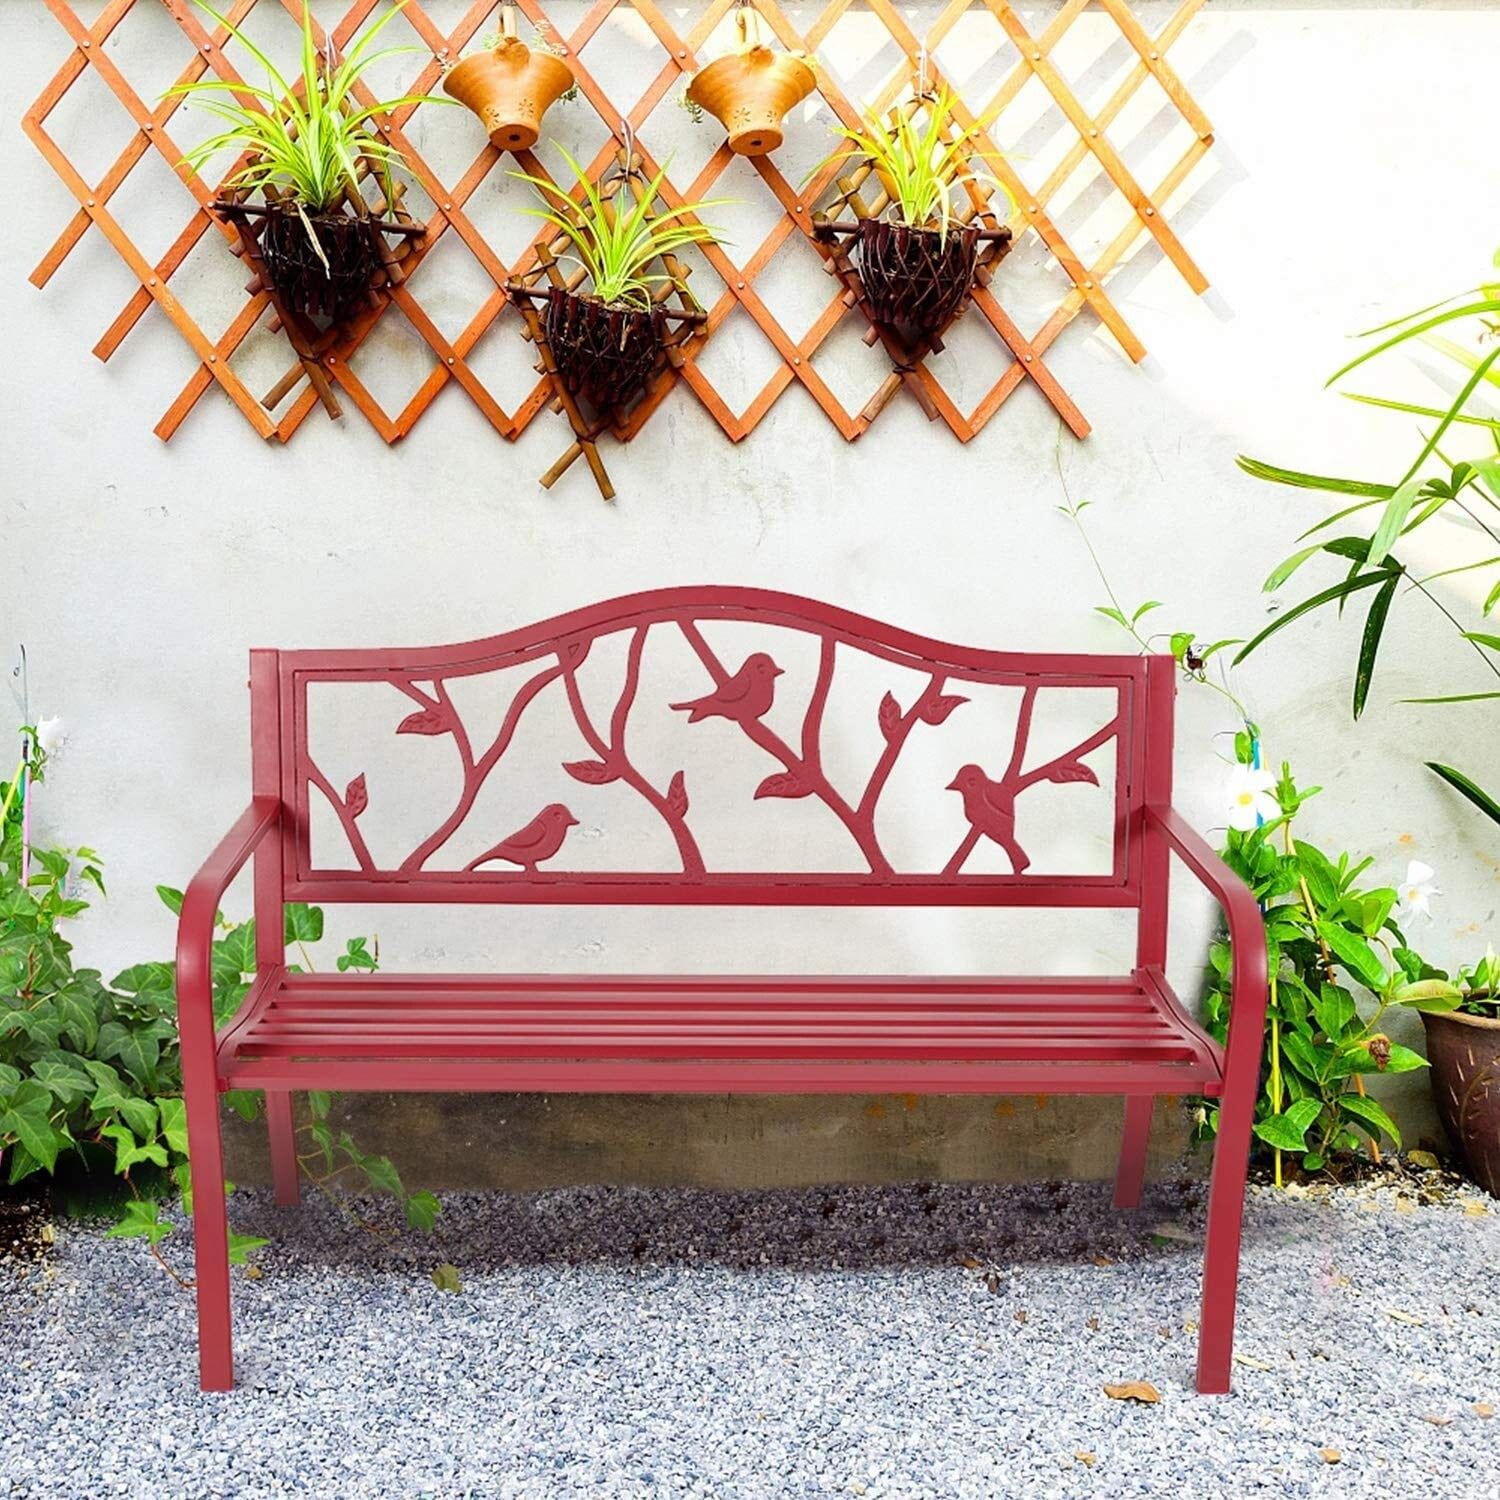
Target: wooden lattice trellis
(798, 207)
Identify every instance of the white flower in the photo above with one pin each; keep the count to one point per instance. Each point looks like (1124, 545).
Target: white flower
(1251, 798)
(50, 734)
(1418, 889)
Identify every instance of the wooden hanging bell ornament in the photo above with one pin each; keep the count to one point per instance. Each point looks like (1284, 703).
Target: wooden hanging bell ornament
(510, 88)
(750, 91)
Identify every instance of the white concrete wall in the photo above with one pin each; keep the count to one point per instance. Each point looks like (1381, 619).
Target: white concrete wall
(1353, 178)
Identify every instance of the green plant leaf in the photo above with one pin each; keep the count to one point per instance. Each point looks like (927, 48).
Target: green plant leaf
(304, 923)
(382, 1174)
(174, 1124)
(1392, 519)
(1432, 995)
(240, 1246)
(1288, 1130)
(1258, 469)
(30, 1125)
(1289, 565)
(422, 1210)
(445, 1278)
(1465, 787)
(1312, 1062)
(1334, 1009)
(1371, 1116)
(244, 1102)
(1327, 596)
(1369, 644)
(128, 1151)
(141, 1219)
(1355, 954)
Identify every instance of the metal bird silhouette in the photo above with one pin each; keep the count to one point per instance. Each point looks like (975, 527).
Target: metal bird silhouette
(540, 839)
(747, 695)
(990, 808)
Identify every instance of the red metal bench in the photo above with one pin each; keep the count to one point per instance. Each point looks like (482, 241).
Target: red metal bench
(1126, 1035)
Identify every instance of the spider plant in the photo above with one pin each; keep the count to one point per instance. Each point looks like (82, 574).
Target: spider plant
(613, 240)
(308, 138)
(920, 166)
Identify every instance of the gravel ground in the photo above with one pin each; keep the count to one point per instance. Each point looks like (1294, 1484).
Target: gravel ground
(893, 1342)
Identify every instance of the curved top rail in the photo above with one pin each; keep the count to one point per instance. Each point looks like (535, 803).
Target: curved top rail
(701, 603)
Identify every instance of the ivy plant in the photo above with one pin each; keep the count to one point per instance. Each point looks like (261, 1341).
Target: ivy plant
(88, 1067)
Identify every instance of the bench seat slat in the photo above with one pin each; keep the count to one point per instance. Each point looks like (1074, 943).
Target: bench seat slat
(1048, 1023)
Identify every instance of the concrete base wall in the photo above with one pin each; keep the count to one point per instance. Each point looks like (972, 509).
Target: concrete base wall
(525, 1142)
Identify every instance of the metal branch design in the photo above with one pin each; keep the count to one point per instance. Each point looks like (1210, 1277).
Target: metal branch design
(348, 808)
(444, 719)
(990, 806)
(743, 697)
(803, 775)
(614, 763)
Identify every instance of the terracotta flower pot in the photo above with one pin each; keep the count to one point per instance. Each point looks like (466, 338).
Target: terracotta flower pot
(350, 246)
(603, 354)
(749, 93)
(916, 279)
(1464, 1052)
(510, 88)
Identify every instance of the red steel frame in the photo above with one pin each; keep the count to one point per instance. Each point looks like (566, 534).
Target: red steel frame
(684, 1034)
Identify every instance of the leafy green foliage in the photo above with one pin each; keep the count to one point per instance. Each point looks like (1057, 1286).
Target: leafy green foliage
(1481, 986)
(94, 1068)
(1338, 963)
(921, 166)
(311, 137)
(615, 240)
(1434, 485)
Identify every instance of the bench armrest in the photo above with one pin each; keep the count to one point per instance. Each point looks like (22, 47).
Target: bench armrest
(195, 923)
(1248, 993)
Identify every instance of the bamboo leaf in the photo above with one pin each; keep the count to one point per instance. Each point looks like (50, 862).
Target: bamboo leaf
(1369, 644)
(1467, 788)
(1392, 519)
(1327, 596)
(1258, 469)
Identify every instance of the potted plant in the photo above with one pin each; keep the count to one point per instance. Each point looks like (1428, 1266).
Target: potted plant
(308, 146)
(917, 261)
(750, 90)
(605, 339)
(1463, 1048)
(510, 85)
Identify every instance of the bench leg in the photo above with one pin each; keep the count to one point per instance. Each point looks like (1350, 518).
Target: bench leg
(1221, 1251)
(283, 1147)
(210, 1240)
(1130, 1177)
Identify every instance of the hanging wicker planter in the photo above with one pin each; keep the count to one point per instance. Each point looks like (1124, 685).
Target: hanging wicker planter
(604, 354)
(329, 279)
(916, 279)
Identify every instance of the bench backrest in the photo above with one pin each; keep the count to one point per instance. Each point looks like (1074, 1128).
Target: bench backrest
(935, 791)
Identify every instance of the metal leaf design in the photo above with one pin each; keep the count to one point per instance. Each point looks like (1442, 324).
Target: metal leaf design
(677, 797)
(783, 784)
(590, 772)
(890, 715)
(356, 796)
(935, 710)
(1072, 770)
(424, 721)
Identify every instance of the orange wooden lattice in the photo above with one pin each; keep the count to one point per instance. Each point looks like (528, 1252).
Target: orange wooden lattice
(287, 405)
